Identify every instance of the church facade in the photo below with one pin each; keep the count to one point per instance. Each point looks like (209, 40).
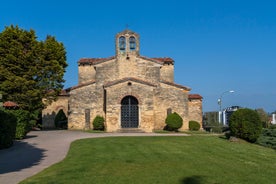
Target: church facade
(129, 90)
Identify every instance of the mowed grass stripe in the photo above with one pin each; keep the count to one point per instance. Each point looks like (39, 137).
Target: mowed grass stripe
(193, 159)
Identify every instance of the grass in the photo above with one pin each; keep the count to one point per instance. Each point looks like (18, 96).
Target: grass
(168, 160)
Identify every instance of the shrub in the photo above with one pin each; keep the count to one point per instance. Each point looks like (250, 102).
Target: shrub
(194, 125)
(268, 138)
(173, 122)
(24, 125)
(245, 124)
(7, 129)
(273, 126)
(61, 120)
(98, 123)
(214, 127)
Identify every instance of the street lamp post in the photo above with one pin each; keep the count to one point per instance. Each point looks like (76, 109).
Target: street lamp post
(220, 104)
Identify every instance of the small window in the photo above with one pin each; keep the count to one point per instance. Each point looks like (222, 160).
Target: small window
(122, 43)
(132, 43)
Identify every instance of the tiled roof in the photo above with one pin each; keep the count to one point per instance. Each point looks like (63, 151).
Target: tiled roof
(64, 92)
(10, 104)
(126, 31)
(162, 60)
(166, 60)
(176, 85)
(93, 61)
(129, 79)
(81, 85)
(194, 96)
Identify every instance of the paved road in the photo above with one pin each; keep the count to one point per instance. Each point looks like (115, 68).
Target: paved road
(42, 149)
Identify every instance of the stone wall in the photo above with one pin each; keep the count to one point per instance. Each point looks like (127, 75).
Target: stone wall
(167, 72)
(170, 97)
(195, 110)
(49, 113)
(131, 66)
(107, 71)
(86, 73)
(81, 100)
(144, 95)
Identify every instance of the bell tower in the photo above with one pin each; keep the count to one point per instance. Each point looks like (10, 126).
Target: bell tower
(127, 43)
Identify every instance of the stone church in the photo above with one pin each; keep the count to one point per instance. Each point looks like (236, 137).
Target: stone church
(131, 92)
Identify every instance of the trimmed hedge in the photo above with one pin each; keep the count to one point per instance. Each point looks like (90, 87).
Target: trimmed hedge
(173, 122)
(24, 122)
(7, 129)
(98, 123)
(245, 124)
(194, 125)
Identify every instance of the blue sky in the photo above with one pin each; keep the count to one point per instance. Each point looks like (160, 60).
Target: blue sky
(217, 45)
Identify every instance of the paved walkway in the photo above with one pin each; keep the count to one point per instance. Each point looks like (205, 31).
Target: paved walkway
(42, 149)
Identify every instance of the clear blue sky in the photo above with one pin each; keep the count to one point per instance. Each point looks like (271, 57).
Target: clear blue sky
(217, 45)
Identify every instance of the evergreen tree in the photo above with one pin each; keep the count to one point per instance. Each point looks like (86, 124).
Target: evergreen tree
(30, 70)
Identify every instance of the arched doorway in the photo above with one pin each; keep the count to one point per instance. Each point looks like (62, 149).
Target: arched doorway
(129, 112)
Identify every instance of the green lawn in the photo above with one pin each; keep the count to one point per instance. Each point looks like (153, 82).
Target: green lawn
(169, 160)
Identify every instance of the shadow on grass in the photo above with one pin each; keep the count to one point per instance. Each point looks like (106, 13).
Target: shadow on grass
(20, 156)
(193, 180)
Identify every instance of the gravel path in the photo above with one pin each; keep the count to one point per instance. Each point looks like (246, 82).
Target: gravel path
(42, 149)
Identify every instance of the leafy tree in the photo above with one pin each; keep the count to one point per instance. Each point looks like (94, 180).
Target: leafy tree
(30, 70)
(263, 117)
(245, 124)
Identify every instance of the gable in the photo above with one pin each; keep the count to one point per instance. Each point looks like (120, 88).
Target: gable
(176, 85)
(159, 60)
(81, 85)
(94, 61)
(130, 79)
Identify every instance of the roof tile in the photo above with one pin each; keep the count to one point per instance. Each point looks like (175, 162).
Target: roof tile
(10, 104)
(195, 96)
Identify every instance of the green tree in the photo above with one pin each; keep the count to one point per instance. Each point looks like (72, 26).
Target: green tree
(30, 70)
(51, 64)
(263, 117)
(245, 124)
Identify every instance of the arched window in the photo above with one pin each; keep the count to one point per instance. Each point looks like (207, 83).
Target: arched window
(132, 43)
(122, 43)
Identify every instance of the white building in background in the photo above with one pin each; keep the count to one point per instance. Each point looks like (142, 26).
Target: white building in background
(226, 113)
(273, 120)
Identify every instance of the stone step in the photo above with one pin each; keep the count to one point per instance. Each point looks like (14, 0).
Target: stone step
(130, 130)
